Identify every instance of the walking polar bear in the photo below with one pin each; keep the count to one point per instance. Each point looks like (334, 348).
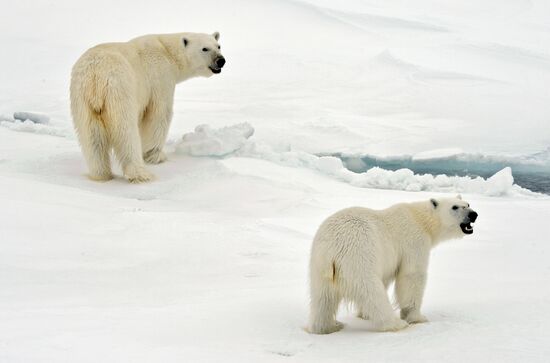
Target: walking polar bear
(122, 96)
(358, 252)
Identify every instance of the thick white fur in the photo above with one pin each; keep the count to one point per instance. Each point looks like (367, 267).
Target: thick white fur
(358, 252)
(122, 96)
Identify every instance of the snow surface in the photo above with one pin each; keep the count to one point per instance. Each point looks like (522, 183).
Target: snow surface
(37, 128)
(209, 262)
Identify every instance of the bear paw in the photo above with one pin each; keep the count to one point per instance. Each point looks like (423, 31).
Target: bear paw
(138, 175)
(101, 177)
(416, 318)
(154, 156)
(392, 325)
(327, 329)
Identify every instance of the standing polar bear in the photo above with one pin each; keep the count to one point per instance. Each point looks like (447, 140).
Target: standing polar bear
(122, 96)
(358, 252)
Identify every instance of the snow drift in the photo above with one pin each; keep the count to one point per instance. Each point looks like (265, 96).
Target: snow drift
(31, 116)
(234, 140)
(500, 184)
(37, 128)
(205, 141)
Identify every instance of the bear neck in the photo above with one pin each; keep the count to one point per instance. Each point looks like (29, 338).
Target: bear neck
(179, 64)
(428, 221)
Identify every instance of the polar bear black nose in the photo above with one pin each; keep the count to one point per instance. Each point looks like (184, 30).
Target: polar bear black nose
(220, 62)
(473, 216)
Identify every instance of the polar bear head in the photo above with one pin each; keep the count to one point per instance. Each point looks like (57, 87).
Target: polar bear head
(202, 53)
(455, 216)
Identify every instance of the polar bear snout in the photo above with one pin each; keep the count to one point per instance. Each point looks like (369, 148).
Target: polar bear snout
(466, 225)
(220, 62)
(217, 64)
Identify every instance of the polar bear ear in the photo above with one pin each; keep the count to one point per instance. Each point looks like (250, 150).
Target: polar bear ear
(216, 35)
(434, 203)
(459, 197)
(185, 42)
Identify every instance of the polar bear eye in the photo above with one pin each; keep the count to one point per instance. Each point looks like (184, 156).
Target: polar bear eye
(455, 207)
(219, 47)
(205, 49)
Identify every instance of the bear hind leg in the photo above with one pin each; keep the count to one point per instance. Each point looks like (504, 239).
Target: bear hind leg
(154, 130)
(324, 306)
(95, 145)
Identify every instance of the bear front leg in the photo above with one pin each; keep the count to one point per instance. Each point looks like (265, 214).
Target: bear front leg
(154, 129)
(409, 290)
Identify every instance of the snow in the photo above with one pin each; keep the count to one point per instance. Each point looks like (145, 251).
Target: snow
(205, 141)
(37, 128)
(200, 144)
(6, 118)
(209, 262)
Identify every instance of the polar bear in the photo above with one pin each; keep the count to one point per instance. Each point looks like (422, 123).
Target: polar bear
(357, 252)
(122, 96)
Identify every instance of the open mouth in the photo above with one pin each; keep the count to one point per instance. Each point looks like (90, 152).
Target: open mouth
(215, 70)
(467, 228)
